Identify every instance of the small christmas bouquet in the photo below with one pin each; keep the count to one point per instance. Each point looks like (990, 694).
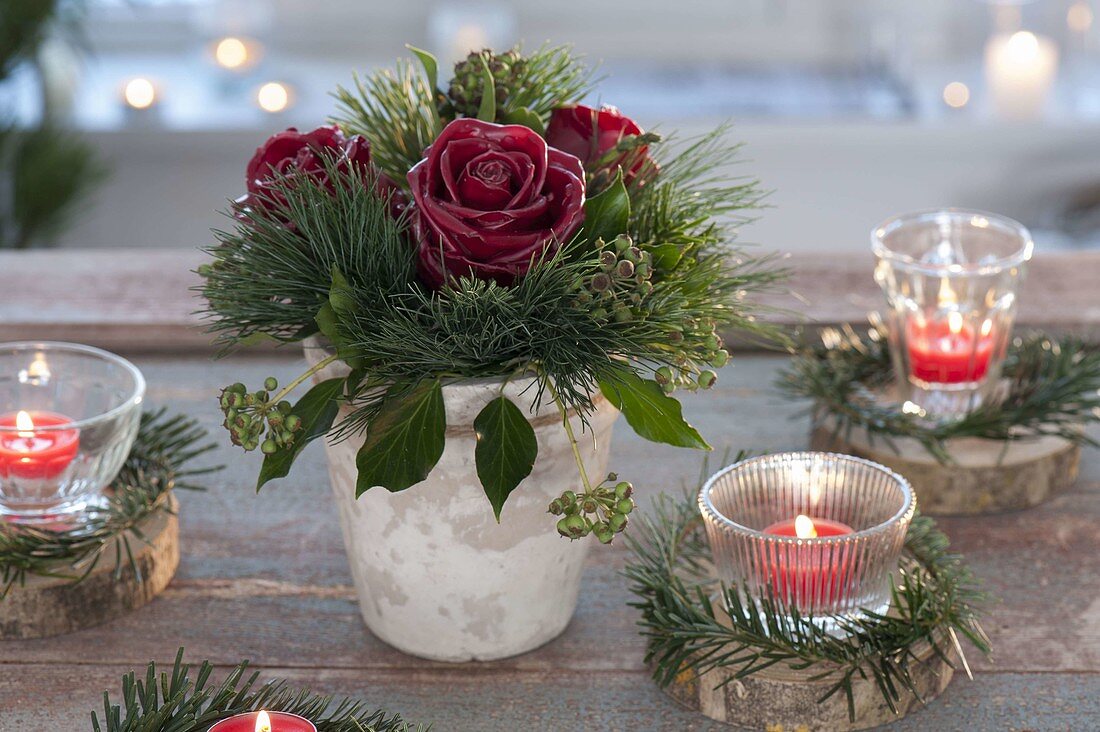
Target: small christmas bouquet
(489, 230)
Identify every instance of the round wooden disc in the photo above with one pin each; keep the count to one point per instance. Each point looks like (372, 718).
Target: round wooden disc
(46, 606)
(783, 699)
(985, 476)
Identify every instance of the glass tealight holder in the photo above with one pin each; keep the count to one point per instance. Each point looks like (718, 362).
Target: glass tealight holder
(950, 280)
(816, 532)
(68, 418)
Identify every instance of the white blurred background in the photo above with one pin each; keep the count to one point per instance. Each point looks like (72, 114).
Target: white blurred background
(851, 110)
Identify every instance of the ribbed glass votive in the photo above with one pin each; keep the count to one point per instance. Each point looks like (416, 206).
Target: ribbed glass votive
(950, 281)
(814, 531)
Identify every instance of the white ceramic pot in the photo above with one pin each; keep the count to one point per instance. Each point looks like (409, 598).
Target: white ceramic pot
(437, 576)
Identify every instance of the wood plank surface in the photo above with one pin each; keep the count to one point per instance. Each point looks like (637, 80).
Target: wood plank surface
(265, 578)
(141, 300)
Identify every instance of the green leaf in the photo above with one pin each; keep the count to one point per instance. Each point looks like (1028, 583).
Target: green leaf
(340, 295)
(607, 214)
(487, 112)
(506, 450)
(431, 66)
(257, 339)
(317, 409)
(404, 440)
(526, 117)
(326, 323)
(666, 256)
(651, 413)
(341, 306)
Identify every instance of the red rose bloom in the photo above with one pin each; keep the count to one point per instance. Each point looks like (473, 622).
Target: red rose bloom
(591, 133)
(293, 154)
(489, 198)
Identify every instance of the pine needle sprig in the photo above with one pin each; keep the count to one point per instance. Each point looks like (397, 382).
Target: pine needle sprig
(158, 463)
(396, 110)
(1052, 388)
(696, 197)
(273, 271)
(934, 599)
(176, 701)
(550, 77)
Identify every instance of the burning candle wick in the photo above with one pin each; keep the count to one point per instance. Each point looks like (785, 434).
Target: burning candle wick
(804, 527)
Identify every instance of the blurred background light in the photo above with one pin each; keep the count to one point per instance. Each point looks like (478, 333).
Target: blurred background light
(956, 94)
(273, 97)
(139, 93)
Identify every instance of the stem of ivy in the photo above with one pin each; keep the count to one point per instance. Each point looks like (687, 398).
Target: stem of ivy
(569, 433)
(286, 390)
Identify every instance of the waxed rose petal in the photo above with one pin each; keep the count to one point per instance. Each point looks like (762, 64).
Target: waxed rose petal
(490, 199)
(294, 155)
(590, 134)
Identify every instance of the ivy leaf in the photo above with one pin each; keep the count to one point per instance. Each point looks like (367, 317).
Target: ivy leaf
(317, 409)
(431, 66)
(404, 440)
(340, 296)
(666, 256)
(526, 117)
(607, 214)
(650, 412)
(487, 112)
(506, 450)
(256, 339)
(341, 305)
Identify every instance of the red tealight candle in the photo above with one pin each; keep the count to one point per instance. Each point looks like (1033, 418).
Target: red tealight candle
(34, 453)
(809, 575)
(264, 722)
(946, 352)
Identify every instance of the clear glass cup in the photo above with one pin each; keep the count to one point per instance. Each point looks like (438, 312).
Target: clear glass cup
(950, 279)
(814, 531)
(68, 418)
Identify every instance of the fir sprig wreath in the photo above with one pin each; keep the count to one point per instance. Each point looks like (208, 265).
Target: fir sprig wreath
(158, 463)
(1052, 387)
(934, 601)
(630, 307)
(177, 701)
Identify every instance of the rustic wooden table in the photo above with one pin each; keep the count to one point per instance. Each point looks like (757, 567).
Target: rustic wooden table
(265, 578)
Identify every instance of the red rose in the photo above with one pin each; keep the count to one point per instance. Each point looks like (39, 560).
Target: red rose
(293, 154)
(591, 134)
(489, 198)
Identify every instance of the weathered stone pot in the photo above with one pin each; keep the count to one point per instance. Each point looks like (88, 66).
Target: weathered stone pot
(436, 575)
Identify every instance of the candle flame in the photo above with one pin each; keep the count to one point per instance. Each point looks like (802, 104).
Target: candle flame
(955, 322)
(24, 424)
(263, 722)
(987, 327)
(804, 527)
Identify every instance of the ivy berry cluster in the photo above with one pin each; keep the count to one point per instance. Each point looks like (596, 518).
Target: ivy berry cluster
(600, 511)
(257, 419)
(704, 332)
(617, 292)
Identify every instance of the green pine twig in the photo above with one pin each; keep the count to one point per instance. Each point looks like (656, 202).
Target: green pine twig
(179, 701)
(1053, 389)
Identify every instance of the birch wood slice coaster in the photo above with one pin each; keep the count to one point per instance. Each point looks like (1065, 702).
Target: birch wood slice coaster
(47, 606)
(984, 476)
(782, 699)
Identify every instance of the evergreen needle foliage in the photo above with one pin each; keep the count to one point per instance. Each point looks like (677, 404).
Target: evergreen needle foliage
(158, 463)
(177, 701)
(269, 279)
(934, 601)
(1052, 388)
